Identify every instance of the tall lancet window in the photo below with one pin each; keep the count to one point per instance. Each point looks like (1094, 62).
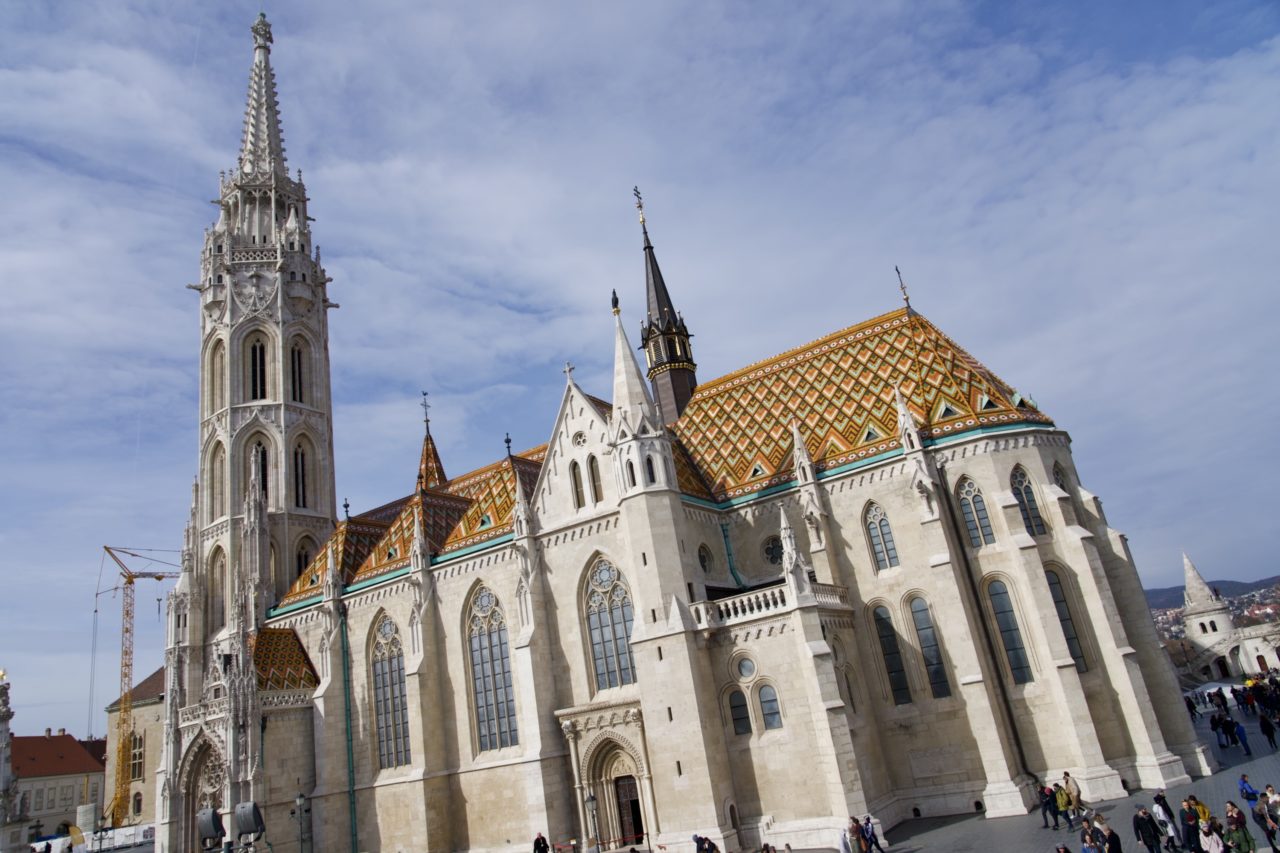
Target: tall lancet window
(1026, 499)
(216, 615)
(593, 474)
(892, 656)
(1064, 619)
(974, 509)
(390, 702)
(609, 623)
(296, 377)
(218, 377)
(257, 369)
(300, 476)
(217, 483)
(495, 701)
(575, 480)
(930, 650)
(260, 456)
(880, 535)
(1010, 634)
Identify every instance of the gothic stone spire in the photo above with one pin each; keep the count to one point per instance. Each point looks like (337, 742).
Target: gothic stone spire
(262, 146)
(664, 337)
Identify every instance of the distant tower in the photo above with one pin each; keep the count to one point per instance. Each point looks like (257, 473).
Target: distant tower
(665, 338)
(1206, 617)
(264, 371)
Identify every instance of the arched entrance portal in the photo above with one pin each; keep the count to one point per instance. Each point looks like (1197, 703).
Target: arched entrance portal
(623, 795)
(203, 781)
(1224, 671)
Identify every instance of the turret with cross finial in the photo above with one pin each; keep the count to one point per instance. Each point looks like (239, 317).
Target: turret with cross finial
(664, 336)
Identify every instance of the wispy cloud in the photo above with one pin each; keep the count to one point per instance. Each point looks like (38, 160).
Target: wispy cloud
(1084, 201)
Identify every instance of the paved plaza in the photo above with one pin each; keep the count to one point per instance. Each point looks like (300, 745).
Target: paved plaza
(1007, 835)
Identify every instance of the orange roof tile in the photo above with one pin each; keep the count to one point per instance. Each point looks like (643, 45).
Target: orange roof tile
(281, 661)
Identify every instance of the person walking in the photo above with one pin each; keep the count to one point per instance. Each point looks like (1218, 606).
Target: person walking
(1063, 799)
(1048, 806)
(1268, 729)
(1073, 791)
(1238, 838)
(1110, 838)
(1189, 821)
(1268, 826)
(1163, 813)
(1146, 830)
(1243, 737)
(869, 837)
(1215, 725)
(540, 844)
(1248, 793)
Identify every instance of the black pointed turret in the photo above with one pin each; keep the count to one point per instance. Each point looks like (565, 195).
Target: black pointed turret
(665, 341)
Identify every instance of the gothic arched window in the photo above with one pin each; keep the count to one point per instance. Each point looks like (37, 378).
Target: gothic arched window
(495, 702)
(974, 509)
(257, 384)
(740, 713)
(883, 550)
(770, 710)
(216, 616)
(650, 476)
(631, 473)
(390, 702)
(892, 656)
(137, 803)
(300, 476)
(1065, 620)
(609, 623)
(1060, 478)
(137, 756)
(1026, 499)
(259, 454)
(297, 374)
(593, 473)
(575, 479)
(930, 650)
(218, 377)
(302, 557)
(1010, 634)
(217, 483)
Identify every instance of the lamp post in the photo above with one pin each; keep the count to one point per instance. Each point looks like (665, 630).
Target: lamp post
(299, 810)
(591, 812)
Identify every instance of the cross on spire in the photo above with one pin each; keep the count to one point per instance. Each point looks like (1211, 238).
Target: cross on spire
(902, 285)
(426, 413)
(568, 370)
(635, 191)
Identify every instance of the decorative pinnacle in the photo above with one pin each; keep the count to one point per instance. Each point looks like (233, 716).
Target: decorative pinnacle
(635, 191)
(262, 32)
(507, 442)
(426, 413)
(902, 285)
(616, 309)
(346, 508)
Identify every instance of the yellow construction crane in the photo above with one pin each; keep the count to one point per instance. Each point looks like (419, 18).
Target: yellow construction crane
(124, 718)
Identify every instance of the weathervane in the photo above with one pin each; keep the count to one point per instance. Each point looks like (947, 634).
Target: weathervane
(902, 285)
(635, 191)
(426, 412)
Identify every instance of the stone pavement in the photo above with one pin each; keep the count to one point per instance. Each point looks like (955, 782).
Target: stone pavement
(963, 833)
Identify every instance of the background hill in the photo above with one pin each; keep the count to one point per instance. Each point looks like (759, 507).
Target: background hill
(1171, 596)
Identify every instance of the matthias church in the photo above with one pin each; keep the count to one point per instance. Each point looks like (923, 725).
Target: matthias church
(858, 577)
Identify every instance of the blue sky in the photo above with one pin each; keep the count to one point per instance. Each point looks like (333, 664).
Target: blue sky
(1082, 194)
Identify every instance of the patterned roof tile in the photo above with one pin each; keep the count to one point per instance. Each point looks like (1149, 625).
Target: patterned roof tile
(281, 661)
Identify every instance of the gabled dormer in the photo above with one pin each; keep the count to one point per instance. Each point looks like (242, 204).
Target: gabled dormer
(575, 480)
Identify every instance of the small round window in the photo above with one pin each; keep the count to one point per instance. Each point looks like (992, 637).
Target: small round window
(773, 550)
(746, 667)
(579, 439)
(705, 559)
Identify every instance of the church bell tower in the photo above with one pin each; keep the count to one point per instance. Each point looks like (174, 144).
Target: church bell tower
(665, 338)
(265, 409)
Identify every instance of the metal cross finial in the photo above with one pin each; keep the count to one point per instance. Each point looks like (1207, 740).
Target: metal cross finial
(568, 369)
(635, 191)
(426, 412)
(346, 508)
(507, 442)
(902, 285)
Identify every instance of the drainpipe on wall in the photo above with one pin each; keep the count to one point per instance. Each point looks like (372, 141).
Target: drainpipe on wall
(728, 553)
(346, 698)
(954, 531)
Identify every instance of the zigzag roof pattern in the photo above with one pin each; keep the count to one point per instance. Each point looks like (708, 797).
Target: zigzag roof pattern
(736, 429)
(281, 661)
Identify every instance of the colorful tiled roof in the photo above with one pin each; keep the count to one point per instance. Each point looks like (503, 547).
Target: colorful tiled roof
(736, 429)
(281, 661)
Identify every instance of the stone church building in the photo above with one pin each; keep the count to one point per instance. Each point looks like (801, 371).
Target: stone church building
(858, 577)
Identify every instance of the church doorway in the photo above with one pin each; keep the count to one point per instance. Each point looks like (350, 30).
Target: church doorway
(1262, 664)
(1224, 671)
(630, 817)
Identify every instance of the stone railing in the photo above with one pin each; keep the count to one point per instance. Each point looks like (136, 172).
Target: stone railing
(831, 595)
(253, 253)
(740, 608)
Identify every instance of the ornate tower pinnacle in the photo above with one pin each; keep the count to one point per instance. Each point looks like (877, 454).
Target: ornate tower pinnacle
(262, 146)
(664, 337)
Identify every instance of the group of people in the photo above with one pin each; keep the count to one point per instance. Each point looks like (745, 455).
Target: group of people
(860, 837)
(1192, 828)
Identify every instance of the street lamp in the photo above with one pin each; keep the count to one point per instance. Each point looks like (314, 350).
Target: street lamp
(299, 809)
(591, 812)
